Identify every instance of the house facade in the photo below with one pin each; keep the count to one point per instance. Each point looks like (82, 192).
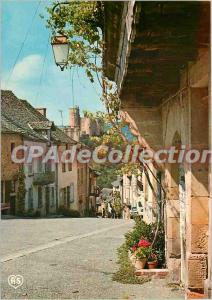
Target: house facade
(159, 56)
(48, 184)
(9, 170)
(130, 188)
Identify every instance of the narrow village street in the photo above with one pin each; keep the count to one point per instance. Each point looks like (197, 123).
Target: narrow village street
(106, 142)
(69, 258)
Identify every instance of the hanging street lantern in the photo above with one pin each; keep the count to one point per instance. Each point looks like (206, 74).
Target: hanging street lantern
(60, 47)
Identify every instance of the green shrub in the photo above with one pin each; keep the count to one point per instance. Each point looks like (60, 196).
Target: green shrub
(142, 230)
(89, 213)
(32, 214)
(126, 272)
(21, 192)
(67, 212)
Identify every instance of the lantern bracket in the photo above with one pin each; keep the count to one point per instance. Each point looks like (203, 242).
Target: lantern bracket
(58, 4)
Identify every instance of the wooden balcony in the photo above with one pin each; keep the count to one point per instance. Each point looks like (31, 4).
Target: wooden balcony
(44, 178)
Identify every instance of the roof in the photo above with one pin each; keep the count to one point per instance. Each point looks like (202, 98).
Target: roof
(42, 125)
(117, 182)
(155, 43)
(8, 127)
(111, 35)
(19, 116)
(106, 193)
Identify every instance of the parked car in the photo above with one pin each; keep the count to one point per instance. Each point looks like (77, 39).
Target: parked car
(133, 212)
(136, 210)
(140, 208)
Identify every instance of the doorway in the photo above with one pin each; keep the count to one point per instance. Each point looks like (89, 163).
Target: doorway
(182, 198)
(12, 204)
(47, 199)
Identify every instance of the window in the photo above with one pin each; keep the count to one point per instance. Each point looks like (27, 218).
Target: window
(70, 167)
(49, 166)
(81, 175)
(72, 192)
(40, 195)
(12, 146)
(68, 196)
(13, 186)
(30, 198)
(29, 169)
(68, 160)
(64, 195)
(52, 196)
(63, 167)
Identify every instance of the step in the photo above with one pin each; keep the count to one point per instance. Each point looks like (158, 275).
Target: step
(157, 273)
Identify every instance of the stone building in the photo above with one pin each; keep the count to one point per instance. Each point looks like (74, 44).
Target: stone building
(78, 129)
(48, 185)
(81, 126)
(9, 170)
(158, 53)
(130, 188)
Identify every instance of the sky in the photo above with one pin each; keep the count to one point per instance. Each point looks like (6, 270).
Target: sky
(28, 67)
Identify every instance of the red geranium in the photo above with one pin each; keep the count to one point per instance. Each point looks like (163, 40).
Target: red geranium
(144, 244)
(134, 247)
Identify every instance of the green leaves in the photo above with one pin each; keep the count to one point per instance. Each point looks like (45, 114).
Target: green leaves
(21, 192)
(81, 22)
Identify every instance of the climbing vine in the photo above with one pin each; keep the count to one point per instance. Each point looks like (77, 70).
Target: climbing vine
(83, 23)
(21, 192)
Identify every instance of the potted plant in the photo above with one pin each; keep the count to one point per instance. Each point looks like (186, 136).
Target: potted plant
(132, 255)
(152, 261)
(139, 253)
(141, 257)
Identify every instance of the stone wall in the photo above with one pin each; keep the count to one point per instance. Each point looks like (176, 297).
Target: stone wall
(181, 119)
(8, 168)
(185, 115)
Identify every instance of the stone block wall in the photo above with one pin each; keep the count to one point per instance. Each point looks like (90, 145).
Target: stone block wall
(187, 114)
(182, 119)
(8, 168)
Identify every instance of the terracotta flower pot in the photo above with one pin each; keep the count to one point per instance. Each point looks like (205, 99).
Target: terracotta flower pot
(152, 264)
(140, 263)
(132, 258)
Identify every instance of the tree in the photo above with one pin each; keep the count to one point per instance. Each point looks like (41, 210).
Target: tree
(20, 208)
(108, 174)
(117, 204)
(83, 23)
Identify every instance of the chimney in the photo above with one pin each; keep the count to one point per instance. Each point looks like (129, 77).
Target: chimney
(42, 111)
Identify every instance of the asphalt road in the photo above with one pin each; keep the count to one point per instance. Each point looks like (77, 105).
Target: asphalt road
(69, 259)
